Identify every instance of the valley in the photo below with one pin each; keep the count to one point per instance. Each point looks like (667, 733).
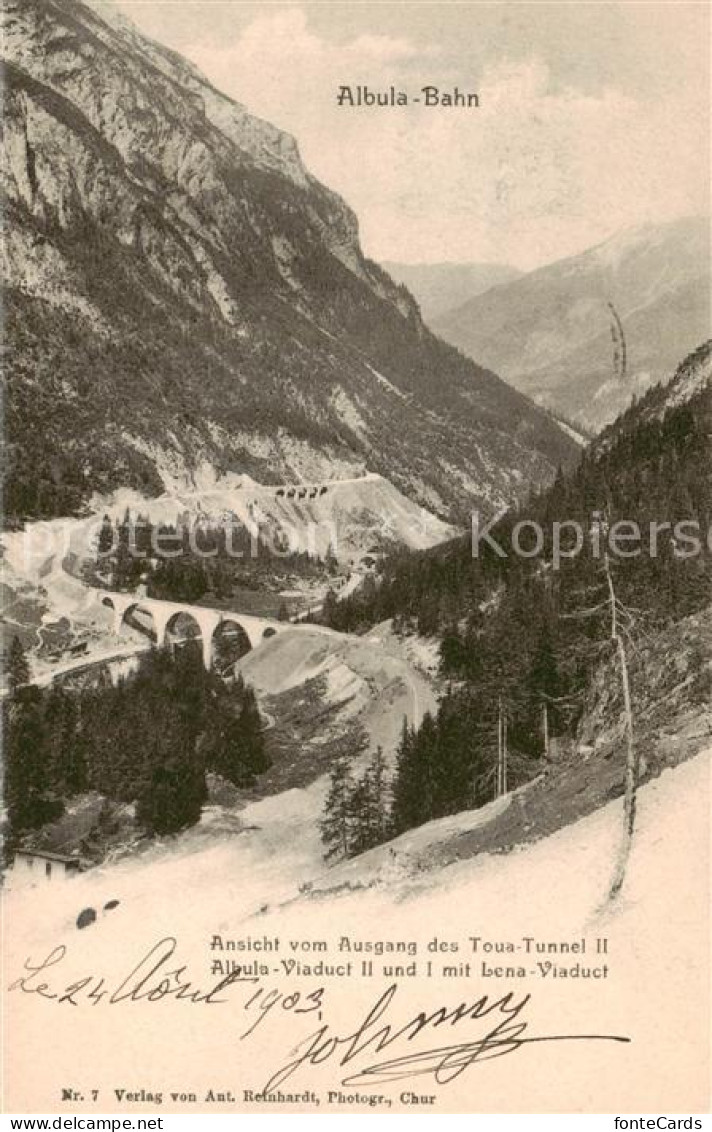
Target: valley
(322, 695)
(201, 352)
(549, 331)
(228, 324)
(315, 797)
(253, 381)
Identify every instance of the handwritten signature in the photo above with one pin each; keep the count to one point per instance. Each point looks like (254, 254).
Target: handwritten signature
(504, 1029)
(505, 1035)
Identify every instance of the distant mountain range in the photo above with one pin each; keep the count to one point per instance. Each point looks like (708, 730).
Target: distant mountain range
(181, 293)
(439, 287)
(549, 332)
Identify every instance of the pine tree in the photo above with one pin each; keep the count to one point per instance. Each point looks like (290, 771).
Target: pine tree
(358, 818)
(407, 786)
(29, 795)
(105, 542)
(453, 654)
(330, 560)
(239, 754)
(377, 810)
(541, 688)
(451, 759)
(330, 609)
(59, 721)
(336, 825)
(18, 670)
(175, 795)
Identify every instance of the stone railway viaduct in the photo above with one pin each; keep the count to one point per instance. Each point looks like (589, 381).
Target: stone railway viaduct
(165, 615)
(299, 491)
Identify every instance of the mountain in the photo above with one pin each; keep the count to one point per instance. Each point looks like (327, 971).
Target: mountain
(439, 287)
(527, 633)
(689, 389)
(549, 333)
(653, 463)
(182, 294)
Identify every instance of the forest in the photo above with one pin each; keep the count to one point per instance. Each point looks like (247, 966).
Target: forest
(521, 639)
(149, 740)
(191, 563)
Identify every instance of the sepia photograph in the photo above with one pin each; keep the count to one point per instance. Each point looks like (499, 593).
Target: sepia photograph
(356, 561)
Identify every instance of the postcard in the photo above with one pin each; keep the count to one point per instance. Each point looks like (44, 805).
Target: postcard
(357, 559)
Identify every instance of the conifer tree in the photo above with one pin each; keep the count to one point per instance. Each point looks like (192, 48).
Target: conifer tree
(359, 818)
(330, 609)
(408, 785)
(336, 825)
(29, 796)
(240, 754)
(18, 670)
(377, 816)
(105, 542)
(330, 560)
(175, 794)
(62, 745)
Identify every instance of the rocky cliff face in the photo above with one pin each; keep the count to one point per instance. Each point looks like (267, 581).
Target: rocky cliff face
(182, 293)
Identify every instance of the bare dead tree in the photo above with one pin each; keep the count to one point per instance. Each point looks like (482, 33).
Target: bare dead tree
(632, 762)
(502, 754)
(498, 776)
(621, 625)
(545, 728)
(623, 628)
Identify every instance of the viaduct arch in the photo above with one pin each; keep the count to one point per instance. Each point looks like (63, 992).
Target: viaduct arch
(166, 613)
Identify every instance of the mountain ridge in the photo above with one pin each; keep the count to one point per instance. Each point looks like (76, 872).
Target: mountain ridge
(440, 287)
(178, 295)
(548, 332)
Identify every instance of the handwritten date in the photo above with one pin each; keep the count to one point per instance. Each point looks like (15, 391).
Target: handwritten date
(491, 1027)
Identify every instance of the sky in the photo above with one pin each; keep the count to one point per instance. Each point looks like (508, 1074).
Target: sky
(593, 117)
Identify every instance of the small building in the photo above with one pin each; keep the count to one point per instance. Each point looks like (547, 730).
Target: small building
(35, 866)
